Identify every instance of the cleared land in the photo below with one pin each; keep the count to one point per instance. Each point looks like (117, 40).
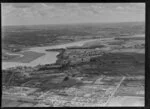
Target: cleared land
(127, 101)
(28, 56)
(91, 75)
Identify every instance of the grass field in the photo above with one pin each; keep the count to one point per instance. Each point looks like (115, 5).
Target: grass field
(28, 57)
(127, 101)
(130, 38)
(9, 103)
(8, 57)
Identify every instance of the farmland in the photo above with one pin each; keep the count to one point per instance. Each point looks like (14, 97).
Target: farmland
(18, 36)
(28, 56)
(103, 70)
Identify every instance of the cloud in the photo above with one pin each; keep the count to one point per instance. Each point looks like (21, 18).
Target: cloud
(7, 9)
(71, 11)
(73, 4)
(140, 5)
(96, 9)
(78, 9)
(43, 4)
(120, 8)
(22, 5)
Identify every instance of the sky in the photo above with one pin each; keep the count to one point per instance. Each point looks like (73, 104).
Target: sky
(66, 13)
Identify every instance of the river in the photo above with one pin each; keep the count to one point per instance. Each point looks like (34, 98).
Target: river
(48, 58)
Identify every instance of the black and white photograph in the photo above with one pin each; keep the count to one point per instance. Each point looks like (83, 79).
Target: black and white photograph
(73, 54)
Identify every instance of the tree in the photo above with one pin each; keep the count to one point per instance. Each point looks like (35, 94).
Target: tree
(66, 78)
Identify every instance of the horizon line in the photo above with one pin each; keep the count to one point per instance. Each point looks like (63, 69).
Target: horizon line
(77, 23)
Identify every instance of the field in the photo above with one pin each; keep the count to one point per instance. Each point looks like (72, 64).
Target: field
(114, 64)
(19, 37)
(9, 103)
(127, 101)
(6, 57)
(28, 56)
(131, 38)
(106, 71)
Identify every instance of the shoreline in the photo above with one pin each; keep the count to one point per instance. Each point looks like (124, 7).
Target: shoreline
(46, 45)
(51, 45)
(52, 53)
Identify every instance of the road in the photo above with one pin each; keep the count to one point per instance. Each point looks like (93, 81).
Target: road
(112, 94)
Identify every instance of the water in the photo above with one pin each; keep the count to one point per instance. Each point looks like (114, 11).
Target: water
(48, 58)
